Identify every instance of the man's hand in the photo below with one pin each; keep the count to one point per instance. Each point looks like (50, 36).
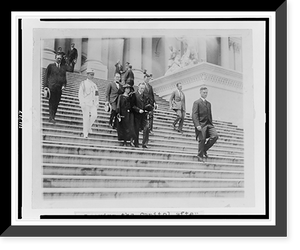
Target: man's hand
(63, 87)
(199, 128)
(141, 111)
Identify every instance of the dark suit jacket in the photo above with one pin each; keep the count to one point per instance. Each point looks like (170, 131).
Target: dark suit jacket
(201, 115)
(119, 69)
(176, 102)
(129, 77)
(112, 94)
(72, 55)
(55, 77)
(149, 93)
(139, 102)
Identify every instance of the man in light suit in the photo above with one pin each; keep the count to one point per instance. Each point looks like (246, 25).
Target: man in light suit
(88, 96)
(113, 90)
(204, 128)
(177, 103)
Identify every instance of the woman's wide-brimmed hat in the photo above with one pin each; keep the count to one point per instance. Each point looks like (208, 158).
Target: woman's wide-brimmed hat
(126, 85)
(47, 93)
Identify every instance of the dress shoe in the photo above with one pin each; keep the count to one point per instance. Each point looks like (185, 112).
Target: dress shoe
(145, 146)
(52, 120)
(200, 159)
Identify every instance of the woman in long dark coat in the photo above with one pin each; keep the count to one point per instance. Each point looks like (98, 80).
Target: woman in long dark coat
(125, 117)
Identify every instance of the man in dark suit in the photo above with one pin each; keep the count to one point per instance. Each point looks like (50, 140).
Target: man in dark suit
(113, 90)
(141, 104)
(129, 76)
(177, 103)
(55, 80)
(72, 57)
(204, 128)
(150, 95)
(119, 68)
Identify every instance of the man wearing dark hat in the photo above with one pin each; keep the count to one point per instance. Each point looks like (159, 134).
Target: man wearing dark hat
(113, 90)
(55, 80)
(129, 76)
(72, 57)
(141, 107)
(88, 96)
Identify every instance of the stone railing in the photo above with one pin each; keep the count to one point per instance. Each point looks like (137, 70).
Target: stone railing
(199, 74)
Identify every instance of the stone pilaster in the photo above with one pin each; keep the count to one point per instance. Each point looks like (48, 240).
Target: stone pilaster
(202, 53)
(94, 58)
(225, 52)
(48, 52)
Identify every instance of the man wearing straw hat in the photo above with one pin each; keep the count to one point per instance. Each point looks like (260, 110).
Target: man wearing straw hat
(89, 100)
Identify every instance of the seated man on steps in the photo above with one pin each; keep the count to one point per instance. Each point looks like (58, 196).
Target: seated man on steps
(89, 100)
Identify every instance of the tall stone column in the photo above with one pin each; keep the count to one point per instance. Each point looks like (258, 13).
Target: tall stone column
(48, 52)
(135, 52)
(135, 58)
(202, 53)
(235, 45)
(225, 52)
(61, 42)
(78, 46)
(94, 58)
(147, 54)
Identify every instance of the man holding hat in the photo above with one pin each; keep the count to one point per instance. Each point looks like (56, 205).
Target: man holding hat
(113, 90)
(89, 100)
(55, 82)
(141, 106)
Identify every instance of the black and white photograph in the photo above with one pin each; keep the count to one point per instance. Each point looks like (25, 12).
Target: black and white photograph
(161, 121)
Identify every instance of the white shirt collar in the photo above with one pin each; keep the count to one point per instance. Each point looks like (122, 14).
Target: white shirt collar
(203, 99)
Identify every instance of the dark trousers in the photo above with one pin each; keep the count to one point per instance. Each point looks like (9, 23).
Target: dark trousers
(151, 116)
(209, 132)
(141, 123)
(180, 118)
(53, 102)
(113, 118)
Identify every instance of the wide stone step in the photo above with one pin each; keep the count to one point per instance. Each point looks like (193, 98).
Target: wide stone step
(159, 120)
(67, 103)
(136, 182)
(131, 152)
(69, 193)
(88, 170)
(170, 147)
(153, 140)
(160, 130)
(126, 161)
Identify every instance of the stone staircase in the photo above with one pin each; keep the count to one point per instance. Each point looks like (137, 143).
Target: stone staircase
(101, 168)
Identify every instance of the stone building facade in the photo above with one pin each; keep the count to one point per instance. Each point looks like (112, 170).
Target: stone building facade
(215, 62)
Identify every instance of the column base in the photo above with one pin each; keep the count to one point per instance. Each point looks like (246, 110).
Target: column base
(100, 69)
